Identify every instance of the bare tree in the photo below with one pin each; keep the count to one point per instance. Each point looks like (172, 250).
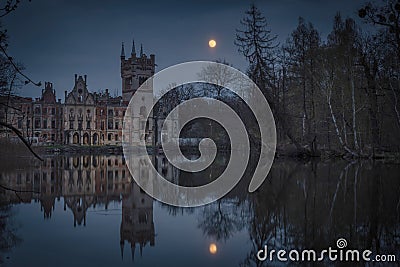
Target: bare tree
(10, 73)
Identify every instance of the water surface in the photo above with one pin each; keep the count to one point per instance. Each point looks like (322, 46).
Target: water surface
(87, 211)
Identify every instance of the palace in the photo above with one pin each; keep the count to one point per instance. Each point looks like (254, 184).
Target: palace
(85, 118)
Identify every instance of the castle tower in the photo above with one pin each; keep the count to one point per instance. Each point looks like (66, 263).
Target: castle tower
(135, 70)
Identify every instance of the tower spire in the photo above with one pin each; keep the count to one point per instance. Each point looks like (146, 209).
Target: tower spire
(141, 50)
(122, 51)
(133, 48)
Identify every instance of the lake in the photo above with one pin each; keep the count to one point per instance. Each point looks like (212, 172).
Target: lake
(87, 211)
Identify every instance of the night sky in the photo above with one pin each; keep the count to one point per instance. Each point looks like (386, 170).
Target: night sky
(54, 39)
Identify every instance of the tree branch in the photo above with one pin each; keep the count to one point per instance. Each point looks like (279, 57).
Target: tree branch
(28, 80)
(19, 134)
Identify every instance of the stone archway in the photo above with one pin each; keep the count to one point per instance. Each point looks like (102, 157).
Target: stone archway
(75, 138)
(86, 139)
(95, 139)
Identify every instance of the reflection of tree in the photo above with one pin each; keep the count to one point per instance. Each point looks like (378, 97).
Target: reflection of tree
(222, 219)
(268, 224)
(8, 238)
(311, 205)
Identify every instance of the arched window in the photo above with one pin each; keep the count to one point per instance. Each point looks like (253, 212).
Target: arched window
(142, 110)
(142, 217)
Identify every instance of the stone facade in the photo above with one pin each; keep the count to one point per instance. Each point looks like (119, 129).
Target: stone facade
(135, 70)
(79, 114)
(39, 120)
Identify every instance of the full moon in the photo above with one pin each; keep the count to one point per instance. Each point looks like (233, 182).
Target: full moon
(213, 248)
(212, 43)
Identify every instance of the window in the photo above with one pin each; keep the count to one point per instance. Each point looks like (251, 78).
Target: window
(142, 110)
(128, 83)
(28, 123)
(79, 125)
(37, 110)
(53, 124)
(116, 125)
(20, 123)
(53, 137)
(102, 125)
(37, 123)
(44, 110)
(142, 80)
(142, 216)
(116, 137)
(44, 124)
(53, 111)
(109, 137)
(110, 112)
(110, 124)
(71, 125)
(88, 125)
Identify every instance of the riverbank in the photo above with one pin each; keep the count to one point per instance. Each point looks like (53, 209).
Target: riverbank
(13, 150)
(76, 149)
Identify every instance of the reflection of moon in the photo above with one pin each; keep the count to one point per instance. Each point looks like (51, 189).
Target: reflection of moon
(212, 43)
(213, 248)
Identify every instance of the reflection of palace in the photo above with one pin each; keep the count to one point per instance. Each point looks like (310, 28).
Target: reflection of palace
(85, 182)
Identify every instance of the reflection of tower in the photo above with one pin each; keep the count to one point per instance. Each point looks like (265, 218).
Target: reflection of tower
(137, 226)
(49, 178)
(79, 206)
(135, 72)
